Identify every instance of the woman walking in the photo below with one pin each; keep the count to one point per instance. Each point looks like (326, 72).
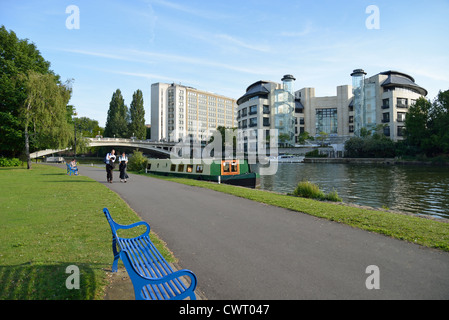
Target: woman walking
(123, 159)
(110, 158)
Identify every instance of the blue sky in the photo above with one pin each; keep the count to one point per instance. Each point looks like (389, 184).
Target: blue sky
(224, 46)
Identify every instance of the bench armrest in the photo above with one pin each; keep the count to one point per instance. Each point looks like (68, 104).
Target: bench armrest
(116, 226)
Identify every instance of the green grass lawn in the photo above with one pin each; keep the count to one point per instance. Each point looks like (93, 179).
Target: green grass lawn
(49, 221)
(418, 230)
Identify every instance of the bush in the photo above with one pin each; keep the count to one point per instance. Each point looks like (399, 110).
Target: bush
(370, 147)
(333, 196)
(137, 162)
(14, 162)
(306, 189)
(315, 154)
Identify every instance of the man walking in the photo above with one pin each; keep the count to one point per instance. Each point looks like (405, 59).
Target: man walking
(110, 159)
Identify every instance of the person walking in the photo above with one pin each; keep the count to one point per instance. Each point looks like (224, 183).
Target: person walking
(110, 159)
(123, 159)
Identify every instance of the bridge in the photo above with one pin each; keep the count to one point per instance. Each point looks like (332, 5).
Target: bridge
(162, 148)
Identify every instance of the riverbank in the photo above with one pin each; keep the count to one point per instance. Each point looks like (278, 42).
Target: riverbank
(387, 161)
(425, 231)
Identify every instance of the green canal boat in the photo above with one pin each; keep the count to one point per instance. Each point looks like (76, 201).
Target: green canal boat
(234, 172)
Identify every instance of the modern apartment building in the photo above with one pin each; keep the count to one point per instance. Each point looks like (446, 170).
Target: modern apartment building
(178, 111)
(267, 105)
(380, 99)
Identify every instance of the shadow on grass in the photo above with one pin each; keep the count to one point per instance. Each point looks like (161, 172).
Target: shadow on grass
(47, 282)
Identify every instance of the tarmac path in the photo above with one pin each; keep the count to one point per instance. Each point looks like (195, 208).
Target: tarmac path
(243, 250)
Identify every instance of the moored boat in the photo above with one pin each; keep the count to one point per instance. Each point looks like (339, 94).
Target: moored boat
(233, 172)
(288, 159)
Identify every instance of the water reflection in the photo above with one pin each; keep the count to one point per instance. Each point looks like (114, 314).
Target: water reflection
(421, 190)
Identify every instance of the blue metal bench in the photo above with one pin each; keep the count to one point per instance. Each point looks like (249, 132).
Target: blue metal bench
(152, 276)
(71, 170)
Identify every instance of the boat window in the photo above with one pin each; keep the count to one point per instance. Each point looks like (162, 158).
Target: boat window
(181, 168)
(173, 167)
(189, 168)
(199, 169)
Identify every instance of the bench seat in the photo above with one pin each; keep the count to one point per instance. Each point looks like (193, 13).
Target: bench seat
(71, 170)
(153, 278)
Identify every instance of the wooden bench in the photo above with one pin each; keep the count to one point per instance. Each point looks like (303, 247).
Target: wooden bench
(71, 170)
(153, 278)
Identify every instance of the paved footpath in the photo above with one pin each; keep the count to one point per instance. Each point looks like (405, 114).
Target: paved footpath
(240, 249)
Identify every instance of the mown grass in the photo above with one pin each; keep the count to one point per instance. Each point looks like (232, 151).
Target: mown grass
(49, 221)
(411, 228)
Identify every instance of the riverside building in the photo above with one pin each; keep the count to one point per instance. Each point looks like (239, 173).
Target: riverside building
(178, 111)
(380, 99)
(267, 105)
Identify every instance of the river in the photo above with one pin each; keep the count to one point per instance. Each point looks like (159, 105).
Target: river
(414, 189)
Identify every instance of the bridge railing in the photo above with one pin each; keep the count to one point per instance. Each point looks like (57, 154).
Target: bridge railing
(132, 141)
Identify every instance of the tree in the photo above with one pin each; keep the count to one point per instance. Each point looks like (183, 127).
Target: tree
(44, 112)
(137, 116)
(16, 57)
(303, 136)
(117, 120)
(439, 121)
(416, 124)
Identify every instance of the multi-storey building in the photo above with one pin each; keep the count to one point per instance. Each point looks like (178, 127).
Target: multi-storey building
(267, 105)
(178, 111)
(380, 99)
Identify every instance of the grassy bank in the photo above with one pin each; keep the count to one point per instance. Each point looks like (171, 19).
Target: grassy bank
(426, 232)
(50, 221)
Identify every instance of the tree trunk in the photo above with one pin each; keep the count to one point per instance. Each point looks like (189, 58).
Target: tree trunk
(27, 147)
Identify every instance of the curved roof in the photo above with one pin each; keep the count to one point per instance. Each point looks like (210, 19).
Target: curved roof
(253, 90)
(402, 80)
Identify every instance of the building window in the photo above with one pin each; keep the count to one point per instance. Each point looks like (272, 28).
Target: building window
(401, 116)
(326, 121)
(402, 103)
(252, 110)
(385, 103)
(386, 117)
(253, 122)
(266, 109)
(351, 119)
(266, 122)
(351, 129)
(401, 131)
(387, 131)
(244, 112)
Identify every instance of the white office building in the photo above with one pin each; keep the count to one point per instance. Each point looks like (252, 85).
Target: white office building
(178, 111)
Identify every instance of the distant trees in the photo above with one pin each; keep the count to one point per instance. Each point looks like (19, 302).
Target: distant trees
(123, 122)
(117, 120)
(137, 116)
(371, 144)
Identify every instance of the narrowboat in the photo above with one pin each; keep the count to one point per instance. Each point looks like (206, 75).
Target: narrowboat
(233, 172)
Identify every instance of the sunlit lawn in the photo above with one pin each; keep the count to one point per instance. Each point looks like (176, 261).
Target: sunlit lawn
(49, 221)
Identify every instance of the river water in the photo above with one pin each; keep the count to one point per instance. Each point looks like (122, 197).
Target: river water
(414, 189)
